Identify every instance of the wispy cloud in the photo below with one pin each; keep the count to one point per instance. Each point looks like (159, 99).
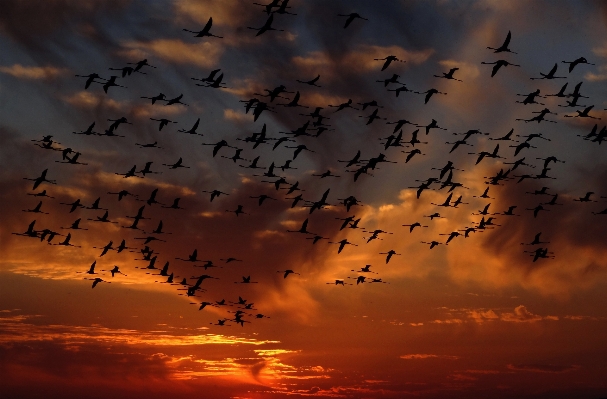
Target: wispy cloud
(544, 368)
(522, 315)
(175, 51)
(32, 72)
(417, 356)
(15, 329)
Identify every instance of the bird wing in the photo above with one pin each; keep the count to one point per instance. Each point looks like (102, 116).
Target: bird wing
(507, 41)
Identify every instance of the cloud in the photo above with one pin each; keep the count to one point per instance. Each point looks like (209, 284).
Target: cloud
(231, 14)
(361, 59)
(597, 77)
(175, 51)
(89, 100)
(544, 368)
(32, 22)
(480, 316)
(237, 116)
(417, 356)
(15, 330)
(579, 317)
(600, 51)
(522, 315)
(448, 321)
(467, 71)
(33, 72)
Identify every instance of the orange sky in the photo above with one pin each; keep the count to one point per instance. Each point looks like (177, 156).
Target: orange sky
(474, 317)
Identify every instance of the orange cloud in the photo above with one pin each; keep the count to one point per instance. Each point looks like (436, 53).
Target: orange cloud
(522, 315)
(597, 77)
(87, 99)
(175, 51)
(33, 72)
(416, 356)
(16, 330)
(361, 59)
(231, 14)
(480, 316)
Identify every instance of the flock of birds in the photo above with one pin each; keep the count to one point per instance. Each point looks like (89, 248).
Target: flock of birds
(291, 142)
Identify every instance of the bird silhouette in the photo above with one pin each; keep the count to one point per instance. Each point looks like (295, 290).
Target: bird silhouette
(205, 31)
(342, 244)
(287, 272)
(550, 75)
(577, 61)
(41, 179)
(267, 26)
(504, 46)
(351, 17)
(387, 61)
(389, 255)
(193, 129)
(449, 75)
(97, 280)
(311, 82)
(303, 229)
(498, 64)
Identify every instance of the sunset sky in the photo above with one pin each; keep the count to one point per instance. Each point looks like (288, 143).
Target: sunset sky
(473, 317)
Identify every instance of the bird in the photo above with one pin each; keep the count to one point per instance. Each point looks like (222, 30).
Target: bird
(303, 229)
(449, 75)
(97, 280)
(577, 61)
(365, 269)
(115, 270)
(214, 193)
(216, 83)
(176, 100)
(311, 82)
(431, 243)
(90, 78)
(282, 9)
(583, 113)
(504, 46)
(193, 129)
(268, 7)
(342, 244)
(111, 82)
(585, 198)
(536, 240)
(550, 75)
(205, 31)
(238, 211)
(36, 209)
(387, 61)
(210, 78)
(389, 255)
(30, 232)
(159, 97)
(266, 26)
(498, 64)
(91, 269)
(412, 226)
(89, 131)
(287, 272)
(41, 179)
(67, 242)
(339, 282)
(246, 280)
(351, 17)
(176, 165)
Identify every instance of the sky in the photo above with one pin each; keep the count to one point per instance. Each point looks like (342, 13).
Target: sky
(472, 303)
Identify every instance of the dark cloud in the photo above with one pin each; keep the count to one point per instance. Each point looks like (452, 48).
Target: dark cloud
(85, 37)
(543, 368)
